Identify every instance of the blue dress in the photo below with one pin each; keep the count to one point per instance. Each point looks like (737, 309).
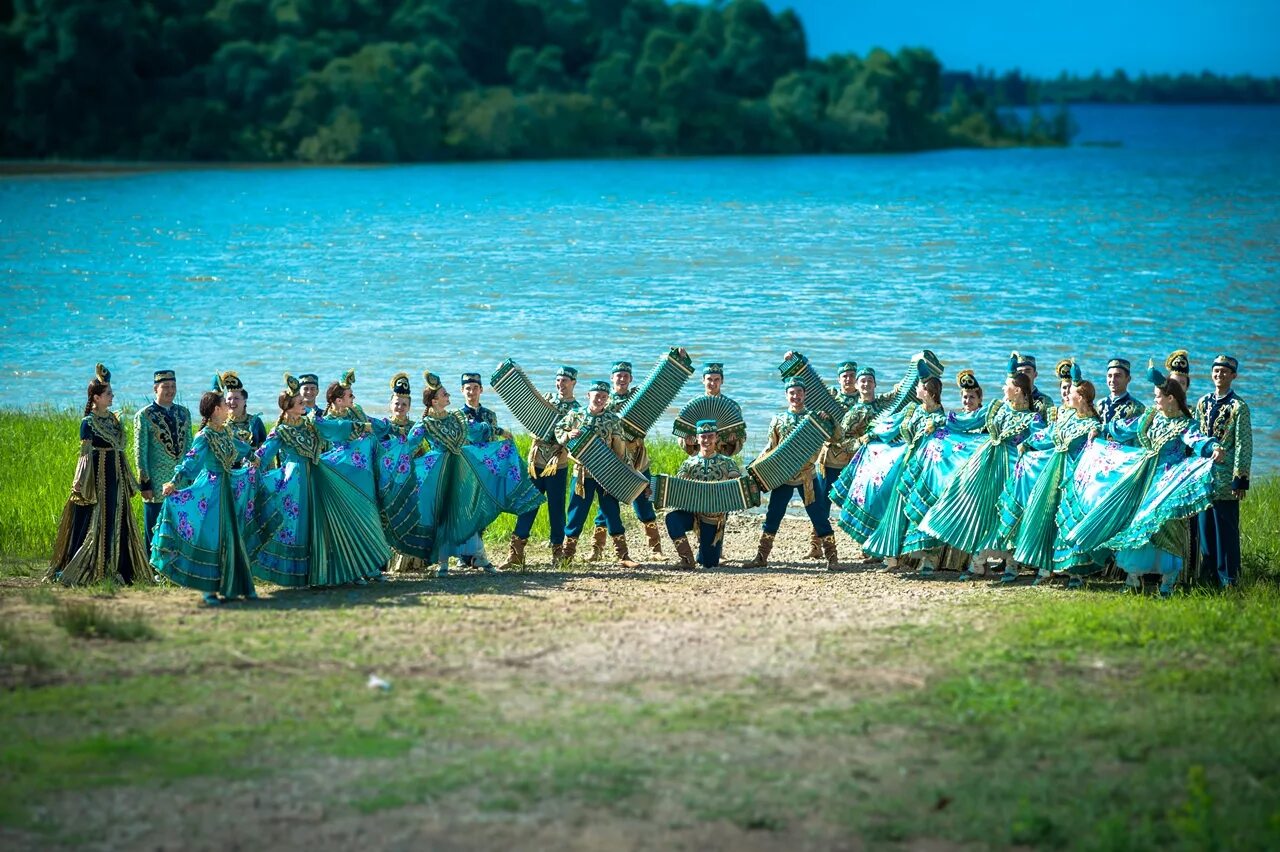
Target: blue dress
(867, 483)
(212, 527)
(331, 529)
(890, 534)
(938, 459)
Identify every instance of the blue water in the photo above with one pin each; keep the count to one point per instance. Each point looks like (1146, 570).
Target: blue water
(1169, 240)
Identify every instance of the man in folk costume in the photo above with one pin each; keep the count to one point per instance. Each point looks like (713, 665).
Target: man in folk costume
(1040, 402)
(836, 455)
(707, 466)
(161, 438)
(805, 482)
(1118, 404)
(637, 457)
(1223, 415)
(547, 460)
(309, 384)
(586, 489)
(732, 440)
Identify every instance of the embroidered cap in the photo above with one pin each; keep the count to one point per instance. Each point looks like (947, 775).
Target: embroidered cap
(308, 379)
(400, 385)
(163, 376)
(570, 373)
(292, 387)
(1063, 369)
(621, 367)
(713, 368)
(471, 379)
(1178, 362)
(966, 380)
(1154, 376)
(867, 371)
(707, 427)
(599, 386)
(846, 367)
(1227, 361)
(1014, 358)
(1077, 377)
(1026, 360)
(227, 381)
(102, 374)
(348, 379)
(1120, 364)
(793, 382)
(432, 380)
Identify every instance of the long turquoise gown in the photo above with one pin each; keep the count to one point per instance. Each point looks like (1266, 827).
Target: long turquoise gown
(887, 540)
(967, 513)
(938, 459)
(1145, 488)
(1028, 515)
(465, 480)
(212, 527)
(867, 483)
(395, 448)
(331, 532)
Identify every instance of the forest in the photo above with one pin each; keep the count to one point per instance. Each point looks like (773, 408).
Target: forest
(334, 81)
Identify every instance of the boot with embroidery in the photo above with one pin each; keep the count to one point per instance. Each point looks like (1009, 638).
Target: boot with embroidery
(685, 552)
(624, 556)
(762, 552)
(655, 538)
(515, 557)
(598, 537)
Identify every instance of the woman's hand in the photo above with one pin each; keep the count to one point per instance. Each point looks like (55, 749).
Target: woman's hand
(169, 488)
(1219, 454)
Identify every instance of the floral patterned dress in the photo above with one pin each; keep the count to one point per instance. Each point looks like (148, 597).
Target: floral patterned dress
(212, 527)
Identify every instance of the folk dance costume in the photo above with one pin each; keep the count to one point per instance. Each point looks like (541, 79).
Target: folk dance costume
(585, 488)
(247, 427)
(816, 506)
(467, 477)
(638, 457)
(1119, 406)
(395, 451)
(211, 528)
(547, 471)
(967, 513)
(860, 428)
(1029, 508)
(886, 542)
(835, 455)
(310, 380)
(161, 438)
(1150, 487)
(1225, 418)
(330, 532)
(474, 416)
(98, 538)
(733, 438)
(700, 468)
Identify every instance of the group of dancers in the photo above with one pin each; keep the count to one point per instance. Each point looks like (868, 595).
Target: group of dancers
(331, 496)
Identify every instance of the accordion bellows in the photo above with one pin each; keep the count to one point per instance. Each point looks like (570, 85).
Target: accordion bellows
(658, 390)
(530, 408)
(816, 395)
(708, 498)
(615, 476)
(726, 413)
(781, 464)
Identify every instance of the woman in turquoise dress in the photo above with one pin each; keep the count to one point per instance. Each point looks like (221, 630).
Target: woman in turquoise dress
(210, 527)
(466, 479)
(868, 483)
(244, 426)
(966, 515)
(395, 449)
(886, 541)
(98, 537)
(1028, 515)
(1148, 489)
(932, 466)
(330, 531)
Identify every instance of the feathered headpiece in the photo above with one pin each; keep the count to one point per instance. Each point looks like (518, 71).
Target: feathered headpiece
(102, 374)
(348, 379)
(291, 385)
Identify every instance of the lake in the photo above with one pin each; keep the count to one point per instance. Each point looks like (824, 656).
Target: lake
(1165, 236)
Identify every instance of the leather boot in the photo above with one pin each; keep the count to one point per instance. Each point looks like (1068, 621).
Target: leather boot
(598, 537)
(655, 538)
(685, 551)
(815, 546)
(557, 555)
(624, 556)
(568, 549)
(515, 557)
(762, 552)
(829, 551)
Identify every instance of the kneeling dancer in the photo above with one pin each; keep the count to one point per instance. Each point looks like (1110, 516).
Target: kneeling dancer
(707, 466)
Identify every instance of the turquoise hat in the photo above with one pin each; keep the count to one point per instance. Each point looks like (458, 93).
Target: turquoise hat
(846, 367)
(866, 371)
(568, 372)
(1226, 361)
(793, 382)
(621, 367)
(600, 385)
(1026, 360)
(1121, 364)
(1154, 376)
(707, 427)
(471, 379)
(713, 368)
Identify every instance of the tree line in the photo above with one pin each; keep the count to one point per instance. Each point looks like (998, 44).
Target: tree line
(418, 80)
(1012, 88)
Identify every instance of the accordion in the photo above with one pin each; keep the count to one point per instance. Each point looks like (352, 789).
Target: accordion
(530, 408)
(615, 476)
(907, 387)
(726, 413)
(781, 464)
(660, 387)
(816, 395)
(709, 498)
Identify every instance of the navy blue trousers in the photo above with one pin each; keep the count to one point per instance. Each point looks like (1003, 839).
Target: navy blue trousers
(150, 514)
(642, 506)
(580, 508)
(1220, 541)
(552, 486)
(819, 511)
(680, 522)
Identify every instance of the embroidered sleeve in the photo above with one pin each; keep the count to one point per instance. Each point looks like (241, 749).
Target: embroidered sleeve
(1243, 457)
(141, 436)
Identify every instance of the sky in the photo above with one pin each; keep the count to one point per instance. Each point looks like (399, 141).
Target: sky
(1044, 37)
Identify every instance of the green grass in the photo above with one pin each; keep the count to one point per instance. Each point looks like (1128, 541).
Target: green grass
(86, 619)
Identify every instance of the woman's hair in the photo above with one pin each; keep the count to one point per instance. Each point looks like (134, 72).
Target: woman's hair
(285, 400)
(1024, 385)
(429, 395)
(933, 387)
(1090, 393)
(1172, 387)
(209, 401)
(334, 393)
(95, 388)
(978, 390)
